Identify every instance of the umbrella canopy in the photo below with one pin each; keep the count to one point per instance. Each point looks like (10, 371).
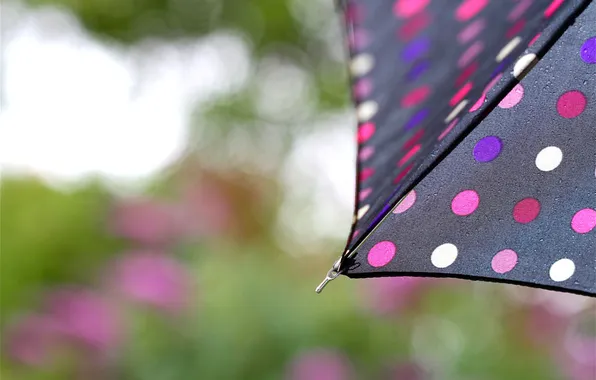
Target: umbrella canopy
(477, 141)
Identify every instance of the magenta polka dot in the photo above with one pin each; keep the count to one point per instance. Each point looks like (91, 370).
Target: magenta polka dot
(526, 210)
(381, 254)
(408, 8)
(513, 97)
(405, 205)
(365, 132)
(571, 104)
(584, 221)
(504, 261)
(469, 8)
(465, 203)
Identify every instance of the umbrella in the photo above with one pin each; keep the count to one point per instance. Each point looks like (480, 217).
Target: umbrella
(476, 141)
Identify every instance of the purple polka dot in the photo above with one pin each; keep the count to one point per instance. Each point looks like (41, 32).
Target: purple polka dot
(381, 254)
(588, 50)
(415, 49)
(487, 149)
(418, 70)
(504, 261)
(416, 119)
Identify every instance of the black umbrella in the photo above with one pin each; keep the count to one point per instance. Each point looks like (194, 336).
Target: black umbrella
(476, 141)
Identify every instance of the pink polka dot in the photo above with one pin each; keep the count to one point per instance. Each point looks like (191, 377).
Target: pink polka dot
(355, 234)
(465, 203)
(460, 94)
(517, 11)
(364, 193)
(469, 8)
(571, 104)
(533, 41)
(411, 153)
(448, 129)
(366, 153)
(415, 96)
(405, 205)
(478, 103)
(526, 210)
(513, 97)
(504, 261)
(358, 39)
(552, 8)
(471, 31)
(584, 221)
(365, 132)
(472, 52)
(408, 8)
(381, 254)
(362, 88)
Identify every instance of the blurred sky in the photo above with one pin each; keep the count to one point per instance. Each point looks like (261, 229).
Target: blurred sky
(74, 106)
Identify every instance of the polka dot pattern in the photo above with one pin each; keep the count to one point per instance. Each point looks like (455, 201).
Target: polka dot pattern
(487, 149)
(549, 158)
(444, 255)
(381, 254)
(416, 29)
(465, 203)
(562, 270)
(584, 221)
(571, 104)
(511, 199)
(504, 261)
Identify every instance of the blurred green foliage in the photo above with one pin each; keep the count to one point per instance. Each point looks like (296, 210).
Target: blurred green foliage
(49, 238)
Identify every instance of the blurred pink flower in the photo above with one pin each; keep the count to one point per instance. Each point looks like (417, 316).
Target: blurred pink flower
(76, 318)
(394, 294)
(580, 363)
(154, 279)
(84, 317)
(544, 326)
(207, 211)
(146, 221)
(29, 340)
(320, 364)
(408, 371)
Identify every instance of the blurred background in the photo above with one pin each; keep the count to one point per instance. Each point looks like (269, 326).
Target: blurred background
(177, 177)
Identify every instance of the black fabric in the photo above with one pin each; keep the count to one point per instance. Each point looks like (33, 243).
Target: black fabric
(517, 196)
(417, 48)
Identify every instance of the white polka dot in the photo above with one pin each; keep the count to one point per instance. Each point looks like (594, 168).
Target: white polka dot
(523, 65)
(458, 108)
(361, 64)
(363, 210)
(507, 49)
(549, 158)
(366, 110)
(444, 255)
(562, 270)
